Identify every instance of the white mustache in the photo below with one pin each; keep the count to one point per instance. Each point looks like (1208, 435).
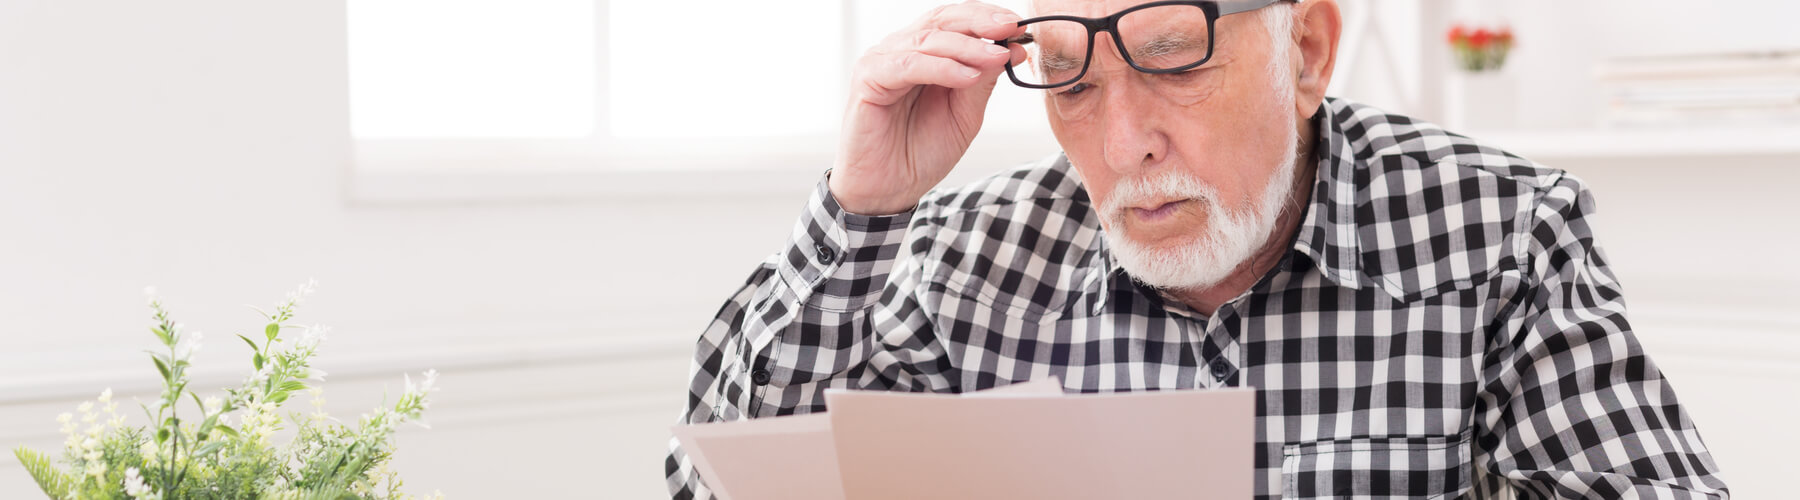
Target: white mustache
(1167, 185)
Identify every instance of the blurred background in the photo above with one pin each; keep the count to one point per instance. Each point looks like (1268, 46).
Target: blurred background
(547, 200)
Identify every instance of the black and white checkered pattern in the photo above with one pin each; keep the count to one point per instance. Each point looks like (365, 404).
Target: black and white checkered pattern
(1444, 326)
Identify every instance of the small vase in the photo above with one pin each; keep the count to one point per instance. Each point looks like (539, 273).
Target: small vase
(1482, 101)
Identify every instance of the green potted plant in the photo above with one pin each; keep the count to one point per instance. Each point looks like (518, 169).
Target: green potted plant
(220, 446)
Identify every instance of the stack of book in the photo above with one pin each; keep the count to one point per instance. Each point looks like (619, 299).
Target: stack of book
(1730, 89)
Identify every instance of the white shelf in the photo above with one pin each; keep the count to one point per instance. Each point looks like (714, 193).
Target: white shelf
(1648, 142)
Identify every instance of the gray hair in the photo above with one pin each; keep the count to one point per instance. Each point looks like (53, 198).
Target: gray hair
(1279, 20)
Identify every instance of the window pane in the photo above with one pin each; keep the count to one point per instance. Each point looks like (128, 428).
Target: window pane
(472, 68)
(725, 68)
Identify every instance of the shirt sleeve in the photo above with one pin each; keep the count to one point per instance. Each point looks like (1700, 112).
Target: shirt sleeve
(1572, 406)
(808, 319)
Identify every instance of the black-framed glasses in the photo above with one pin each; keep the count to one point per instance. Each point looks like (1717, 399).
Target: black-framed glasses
(1156, 37)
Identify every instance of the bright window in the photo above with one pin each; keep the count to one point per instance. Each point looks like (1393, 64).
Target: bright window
(583, 85)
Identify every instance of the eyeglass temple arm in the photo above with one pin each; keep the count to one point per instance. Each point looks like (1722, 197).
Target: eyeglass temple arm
(1246, 6)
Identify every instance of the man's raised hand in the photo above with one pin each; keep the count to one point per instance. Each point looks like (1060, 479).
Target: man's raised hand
(917, 100)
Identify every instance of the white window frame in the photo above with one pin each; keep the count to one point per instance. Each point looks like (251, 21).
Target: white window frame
(437, 170)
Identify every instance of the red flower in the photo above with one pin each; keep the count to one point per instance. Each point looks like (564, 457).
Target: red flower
(1505, 36)
(1458, 34)
(1481, 38)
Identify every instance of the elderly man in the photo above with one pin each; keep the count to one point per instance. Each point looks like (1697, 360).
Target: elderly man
(1421, 315)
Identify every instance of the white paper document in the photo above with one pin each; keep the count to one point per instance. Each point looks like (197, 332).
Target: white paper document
(1027, 440)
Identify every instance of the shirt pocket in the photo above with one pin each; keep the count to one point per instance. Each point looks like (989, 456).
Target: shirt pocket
(1397, 467)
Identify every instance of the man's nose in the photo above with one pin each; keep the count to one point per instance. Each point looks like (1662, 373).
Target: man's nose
(1133, 139)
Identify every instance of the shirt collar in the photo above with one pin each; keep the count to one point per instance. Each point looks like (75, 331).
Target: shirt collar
(1327, 236)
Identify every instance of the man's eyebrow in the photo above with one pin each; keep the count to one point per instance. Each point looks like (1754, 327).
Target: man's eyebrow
(1055, 61)
(1165, 44)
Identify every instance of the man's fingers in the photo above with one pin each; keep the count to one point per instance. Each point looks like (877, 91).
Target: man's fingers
(967, 50)
(975, 19)
(945, 48)
(889, 77)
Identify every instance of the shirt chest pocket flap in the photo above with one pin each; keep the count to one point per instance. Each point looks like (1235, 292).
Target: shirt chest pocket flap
(1395, 467)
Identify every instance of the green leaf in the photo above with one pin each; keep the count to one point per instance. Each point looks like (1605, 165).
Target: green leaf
(253, 347)
(162, 435)
(272, 330)
(161, 334)
(278, 397)
(208, 448)
(197, 402)
(43, 470)
(292, 385)
(258, 361)
(160, 367)
(226, 430)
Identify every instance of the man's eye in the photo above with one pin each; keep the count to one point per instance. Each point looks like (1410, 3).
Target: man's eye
(1076, 89)
(1183, 75)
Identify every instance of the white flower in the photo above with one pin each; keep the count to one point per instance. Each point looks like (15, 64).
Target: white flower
(313, 335)
(430, 383)
(296, 296)
(425, 387)
(213, 404)
(262, 374)
(96, 469)
(134, 484)
(106, 396)
(188, 345)
(85, 407)
(68, 424)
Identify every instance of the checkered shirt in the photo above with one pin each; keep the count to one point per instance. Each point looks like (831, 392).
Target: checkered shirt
(1444, 324)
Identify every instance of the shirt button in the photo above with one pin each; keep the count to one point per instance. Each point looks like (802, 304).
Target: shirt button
(760, 377)
(826, 255)
(1220, 369)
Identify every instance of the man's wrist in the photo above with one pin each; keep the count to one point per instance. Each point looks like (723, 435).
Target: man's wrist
(853, 203)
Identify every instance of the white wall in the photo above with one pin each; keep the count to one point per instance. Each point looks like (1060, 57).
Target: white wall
(202, 146)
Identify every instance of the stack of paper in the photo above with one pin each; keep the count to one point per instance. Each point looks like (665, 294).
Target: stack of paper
(1022, 441)
(1758, 88)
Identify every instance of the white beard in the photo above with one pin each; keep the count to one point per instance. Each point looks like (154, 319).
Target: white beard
(1230, 237)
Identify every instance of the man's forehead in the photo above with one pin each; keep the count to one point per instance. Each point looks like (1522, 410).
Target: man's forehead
(1083, 8)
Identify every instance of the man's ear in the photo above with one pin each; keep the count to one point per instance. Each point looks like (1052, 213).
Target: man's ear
(1317, 25)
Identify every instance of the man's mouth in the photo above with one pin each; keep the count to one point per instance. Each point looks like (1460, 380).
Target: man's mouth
(1158, 211)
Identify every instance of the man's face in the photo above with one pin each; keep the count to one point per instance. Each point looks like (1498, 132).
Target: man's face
(1182, 167)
